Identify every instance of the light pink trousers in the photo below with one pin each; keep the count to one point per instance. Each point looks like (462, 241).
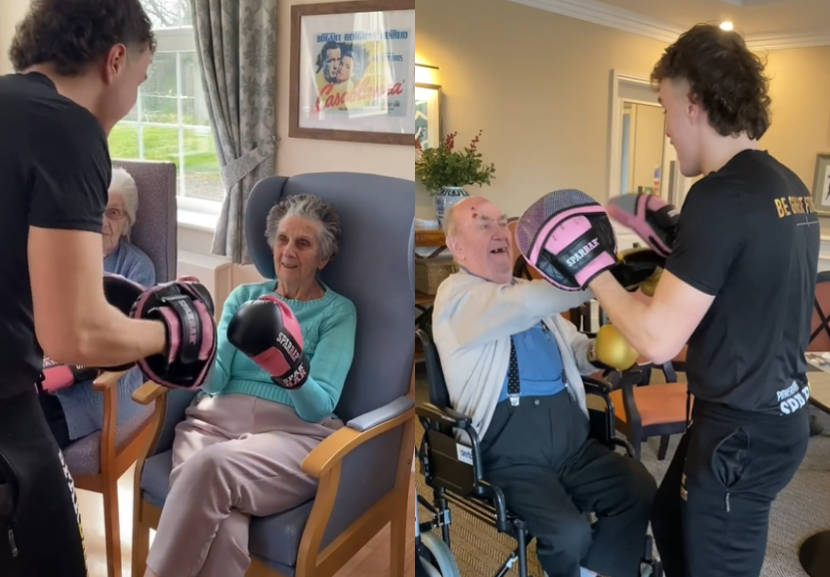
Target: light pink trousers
(234, 457)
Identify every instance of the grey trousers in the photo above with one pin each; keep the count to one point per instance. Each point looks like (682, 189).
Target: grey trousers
(234, 457)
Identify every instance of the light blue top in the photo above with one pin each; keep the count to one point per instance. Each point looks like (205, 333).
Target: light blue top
(540, 364)
(328, 327)
(84, 406)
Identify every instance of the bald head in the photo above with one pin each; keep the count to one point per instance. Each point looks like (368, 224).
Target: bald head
(470, 211)
(478, 238)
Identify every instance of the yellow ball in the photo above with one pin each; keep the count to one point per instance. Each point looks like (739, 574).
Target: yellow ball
(613, 350)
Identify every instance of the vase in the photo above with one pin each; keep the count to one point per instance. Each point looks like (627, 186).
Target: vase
(445, 199)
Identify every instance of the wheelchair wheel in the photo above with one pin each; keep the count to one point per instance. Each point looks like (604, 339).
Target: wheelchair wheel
(441, 563)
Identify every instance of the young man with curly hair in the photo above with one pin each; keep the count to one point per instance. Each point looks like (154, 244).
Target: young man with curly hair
(738, 288)
(78, 67)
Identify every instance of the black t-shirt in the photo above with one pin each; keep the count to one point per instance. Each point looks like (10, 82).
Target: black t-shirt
(748, 235)
(55, 170)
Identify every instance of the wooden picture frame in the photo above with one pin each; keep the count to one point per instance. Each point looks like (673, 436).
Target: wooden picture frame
(352, 73)
(429, 128)
(821, 185)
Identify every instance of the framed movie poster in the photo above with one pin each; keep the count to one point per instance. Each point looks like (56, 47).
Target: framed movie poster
(353, 71)
(821, 188)
(428, 129)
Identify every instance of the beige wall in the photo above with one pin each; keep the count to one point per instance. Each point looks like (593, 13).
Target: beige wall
(11, 12)
(800, 92)
(539, 85)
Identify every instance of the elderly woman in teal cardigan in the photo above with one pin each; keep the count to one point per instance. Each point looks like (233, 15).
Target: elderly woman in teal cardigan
(239, 450)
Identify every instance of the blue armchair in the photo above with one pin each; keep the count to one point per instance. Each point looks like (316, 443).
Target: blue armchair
(364, 468)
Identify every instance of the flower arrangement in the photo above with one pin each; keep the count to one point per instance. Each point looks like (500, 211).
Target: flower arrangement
(445, 165)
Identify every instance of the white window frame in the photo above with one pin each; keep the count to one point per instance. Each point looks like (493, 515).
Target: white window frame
(192, 212)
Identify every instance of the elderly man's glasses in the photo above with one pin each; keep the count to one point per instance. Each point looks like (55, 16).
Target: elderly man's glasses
(115, 214)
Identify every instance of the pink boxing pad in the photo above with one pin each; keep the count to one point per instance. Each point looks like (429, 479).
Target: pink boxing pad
(652, 218)
(557, 220)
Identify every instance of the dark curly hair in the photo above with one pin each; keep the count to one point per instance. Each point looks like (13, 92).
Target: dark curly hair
(725, 78)
(71, 34)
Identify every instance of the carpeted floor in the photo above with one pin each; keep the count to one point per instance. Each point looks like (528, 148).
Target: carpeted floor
(801, 509)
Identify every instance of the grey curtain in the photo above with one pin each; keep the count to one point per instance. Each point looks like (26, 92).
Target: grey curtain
(236, 46)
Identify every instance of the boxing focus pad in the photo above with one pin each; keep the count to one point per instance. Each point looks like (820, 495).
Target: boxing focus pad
(638, 268)
(611, 350)
(186, 309)
(652, 218)
(567, 237)
(57, 376)
(267, 332)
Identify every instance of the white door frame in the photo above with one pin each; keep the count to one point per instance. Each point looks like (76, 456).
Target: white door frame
(673, 185)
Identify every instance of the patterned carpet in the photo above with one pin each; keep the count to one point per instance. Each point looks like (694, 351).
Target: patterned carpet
(801, 509)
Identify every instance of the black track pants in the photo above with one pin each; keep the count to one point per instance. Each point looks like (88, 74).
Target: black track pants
(711, 513)
(40, 526)
(540, 455)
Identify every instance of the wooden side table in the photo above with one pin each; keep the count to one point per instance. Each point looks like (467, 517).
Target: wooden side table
(434, 239)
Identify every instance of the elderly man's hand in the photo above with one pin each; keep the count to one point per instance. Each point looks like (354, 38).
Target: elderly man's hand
(611, 350)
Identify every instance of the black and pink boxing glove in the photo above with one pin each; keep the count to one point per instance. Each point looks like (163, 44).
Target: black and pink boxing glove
(652, 218)
(267, 332)
(56, 377)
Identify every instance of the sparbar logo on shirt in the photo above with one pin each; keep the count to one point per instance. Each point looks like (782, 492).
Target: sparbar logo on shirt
(790, 205)
(793, 398)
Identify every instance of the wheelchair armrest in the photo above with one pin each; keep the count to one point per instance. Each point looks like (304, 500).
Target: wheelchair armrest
(598, 388)
(444, 416)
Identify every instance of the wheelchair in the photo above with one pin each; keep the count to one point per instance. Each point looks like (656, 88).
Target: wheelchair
(454, 472)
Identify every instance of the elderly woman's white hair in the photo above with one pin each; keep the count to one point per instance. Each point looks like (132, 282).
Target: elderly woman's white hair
(123, 183)
(311, 208)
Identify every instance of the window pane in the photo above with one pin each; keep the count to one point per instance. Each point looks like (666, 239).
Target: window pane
(158, 92)
(167, 13)
(170, 122)
(194, 103)
(161, 143)
(201, 167)
(123, 142)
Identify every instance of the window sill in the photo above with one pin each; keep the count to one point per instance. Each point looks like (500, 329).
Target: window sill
(197, 220)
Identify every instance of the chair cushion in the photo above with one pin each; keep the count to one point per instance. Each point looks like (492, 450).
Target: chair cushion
(275, 540)
(83, 457)
(658, 404)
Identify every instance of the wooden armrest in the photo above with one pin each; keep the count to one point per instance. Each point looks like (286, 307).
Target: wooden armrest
(148, 393)
(106, 380)
(339, 444)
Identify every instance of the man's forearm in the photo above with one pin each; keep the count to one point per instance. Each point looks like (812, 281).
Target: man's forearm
(632, 316)
(114, 339)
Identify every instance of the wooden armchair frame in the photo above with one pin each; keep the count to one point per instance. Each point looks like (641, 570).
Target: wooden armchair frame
(114, 462)
(324, 463)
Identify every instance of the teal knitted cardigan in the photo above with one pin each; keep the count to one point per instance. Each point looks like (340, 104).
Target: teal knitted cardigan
(328, 326)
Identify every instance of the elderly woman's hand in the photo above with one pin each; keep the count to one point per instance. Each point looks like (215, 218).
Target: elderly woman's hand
(267, 331)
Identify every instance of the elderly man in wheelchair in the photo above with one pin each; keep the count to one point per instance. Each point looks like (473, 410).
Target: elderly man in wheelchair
(513, 368)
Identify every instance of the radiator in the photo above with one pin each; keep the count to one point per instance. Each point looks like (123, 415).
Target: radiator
(215, 272)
